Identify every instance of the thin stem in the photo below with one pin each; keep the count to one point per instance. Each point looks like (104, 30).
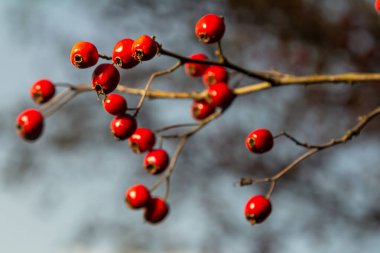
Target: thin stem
(162, 129)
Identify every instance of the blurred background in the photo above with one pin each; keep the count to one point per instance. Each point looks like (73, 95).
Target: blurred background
(64, 193)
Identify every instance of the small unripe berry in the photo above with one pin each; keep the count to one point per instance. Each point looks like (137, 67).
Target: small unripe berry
(137, 196)
(105, 78)
(196, 69)
(29, 124)
(144, 48)
(42, 91)
(122, 54)
(210, 28)
(123, 126)
(156, 161)
(156, 210)
(257, 209)
(215, 74)
(84, 55)
(142, 140)
(115, 104)
(219, 95)
(259, 141)
(202, 109)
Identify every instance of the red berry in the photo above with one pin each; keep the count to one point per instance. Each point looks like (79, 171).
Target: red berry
(259, 141)
(219, 95)
(122, 54)
(123, 126)
(377, 5)
(144, 48)
(84, 55)
(115, 104)
(210, 28)
(42, 91)
(215, 74)
(105, 78)
(137, 196)
(196, 69)
(156, 210)
(142, 140)
(156, 161)
(30, 124)
(257, 209)
(201, 109)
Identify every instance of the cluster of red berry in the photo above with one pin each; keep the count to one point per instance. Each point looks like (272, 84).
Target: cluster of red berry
(127, 53)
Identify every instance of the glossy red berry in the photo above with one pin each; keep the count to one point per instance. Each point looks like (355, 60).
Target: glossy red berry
(196, 69)
(105, 78)
(123, 126)
(122, 54)
(156, 210)
(42, 91)
(210, 28)
(137, 196)
(219, 95)
(377, 5)
(257, 209)
(144, 48)
(202, 109)
(215, 74)
(142, 140)
(30, 124)
(84, 55)
(115, 104)
(156, 161)
(259, 141)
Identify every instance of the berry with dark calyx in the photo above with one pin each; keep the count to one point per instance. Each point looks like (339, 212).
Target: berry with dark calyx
(123, 126)
(215, 74)
(259, 141)
(30, 124)
(257, 209)
(137, 196)
(144, 48)
(122, 54)
(115, 104)
(202, 109)
(219, 95)
(105, 78)
(377, 5)
(156, 210)
(84, 55)
(210, 28)
(196, 69)
(142, 140)
(42, 91)
(156, 161)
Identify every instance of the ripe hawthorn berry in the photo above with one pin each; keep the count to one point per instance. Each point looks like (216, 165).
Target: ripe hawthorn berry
(144, 48)
(137, 196)
(377, 5)
(215, 74)
(202, 109)
(143, 139)
(122, 54)
(156, 161)
(259, 141)
(42, 91)
(196, 69)
(257, 209)
(210, 28)
(84, 55)
(123, 126)
(115, 104)
(156, 210)
(219, 95)
(105, 78)
(30, 124)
